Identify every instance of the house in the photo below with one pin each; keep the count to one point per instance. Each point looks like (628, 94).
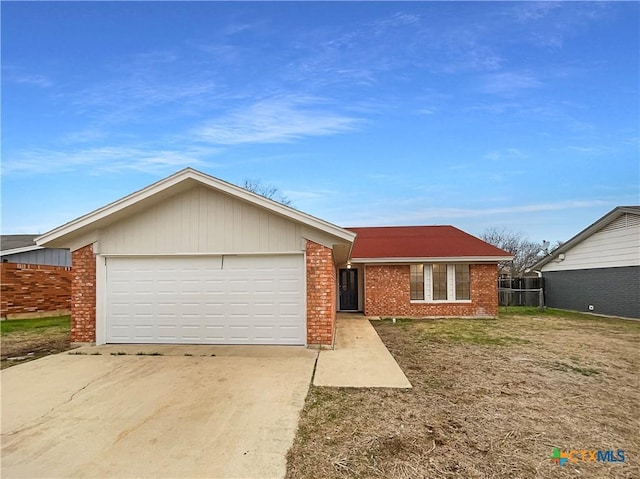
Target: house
(193, 259)
(23, 249)
(420, 271)
(598, 270)
(35, 281)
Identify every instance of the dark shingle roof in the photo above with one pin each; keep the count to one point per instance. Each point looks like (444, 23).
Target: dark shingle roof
(8, 242)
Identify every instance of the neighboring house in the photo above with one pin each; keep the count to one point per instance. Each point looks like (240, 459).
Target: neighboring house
(598, 270)
(23, 249)
(35, 281)
(193, 259)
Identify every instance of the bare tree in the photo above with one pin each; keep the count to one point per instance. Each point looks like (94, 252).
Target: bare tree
(268, 191)
(525, 253)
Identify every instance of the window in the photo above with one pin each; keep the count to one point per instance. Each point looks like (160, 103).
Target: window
(440, 282)
(463, 289)
(417, 281)
(439, 276)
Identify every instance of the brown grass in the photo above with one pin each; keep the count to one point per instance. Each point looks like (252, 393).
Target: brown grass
(490, 398)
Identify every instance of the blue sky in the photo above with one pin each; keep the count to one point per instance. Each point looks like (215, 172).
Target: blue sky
(513, 115)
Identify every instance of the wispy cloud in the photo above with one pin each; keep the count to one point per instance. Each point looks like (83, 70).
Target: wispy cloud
(462, 50)
(550, 24)
(509, 83)
(436, 215)
(105, 159)
(530, 11)
(86, 135)
(393, 21)
(125, 100)
(427, 111)
(592, 150)
(275, 120)
(28, 79)
(150, 85)
(505, 154)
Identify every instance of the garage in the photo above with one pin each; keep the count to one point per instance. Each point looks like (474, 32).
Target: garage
(192, 259)
(218, 299)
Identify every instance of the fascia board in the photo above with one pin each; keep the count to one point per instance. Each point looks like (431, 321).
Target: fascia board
(24, 249)
(443, 259)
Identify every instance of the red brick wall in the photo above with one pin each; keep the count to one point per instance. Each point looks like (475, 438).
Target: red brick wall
(31, 288)
(387, 293)
(83, 295)
(321, 295)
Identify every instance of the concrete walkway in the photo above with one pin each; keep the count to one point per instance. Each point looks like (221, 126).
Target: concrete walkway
(360, 359)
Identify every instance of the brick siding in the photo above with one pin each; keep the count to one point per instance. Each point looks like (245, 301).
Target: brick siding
(34, 290)
(321, 295)
(387, 294)
(83, 295)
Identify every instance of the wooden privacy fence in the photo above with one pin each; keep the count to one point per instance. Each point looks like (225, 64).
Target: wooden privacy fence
(521, 292)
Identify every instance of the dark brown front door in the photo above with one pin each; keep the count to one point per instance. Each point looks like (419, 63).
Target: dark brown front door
(348, 289)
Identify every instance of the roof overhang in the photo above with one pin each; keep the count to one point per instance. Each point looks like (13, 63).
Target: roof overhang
(182, 180)
(24, 249)
(444, 259)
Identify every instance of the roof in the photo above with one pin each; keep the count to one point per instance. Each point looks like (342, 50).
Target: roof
(164, 188)
(607, 219)
(446, 243)
(16, 241)
(12, 244)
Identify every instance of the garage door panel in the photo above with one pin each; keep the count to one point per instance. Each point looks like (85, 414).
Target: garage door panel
(210, 300)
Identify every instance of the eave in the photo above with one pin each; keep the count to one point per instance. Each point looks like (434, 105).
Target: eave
(442, 259)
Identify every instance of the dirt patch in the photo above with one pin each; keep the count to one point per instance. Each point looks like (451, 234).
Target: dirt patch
(20, 346)
(490, 399)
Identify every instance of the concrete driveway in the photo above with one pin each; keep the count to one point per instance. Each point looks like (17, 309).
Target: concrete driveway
(232, 415)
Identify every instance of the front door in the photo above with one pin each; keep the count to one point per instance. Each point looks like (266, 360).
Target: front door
(348, 289)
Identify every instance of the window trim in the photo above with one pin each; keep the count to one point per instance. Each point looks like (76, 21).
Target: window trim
(427, 282)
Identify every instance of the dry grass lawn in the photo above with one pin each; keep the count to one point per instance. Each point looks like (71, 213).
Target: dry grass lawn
(490, 399)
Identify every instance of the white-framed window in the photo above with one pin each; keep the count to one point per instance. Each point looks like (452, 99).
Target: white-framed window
(440, 282)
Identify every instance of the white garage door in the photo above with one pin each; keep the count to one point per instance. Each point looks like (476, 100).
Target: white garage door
(206, 300)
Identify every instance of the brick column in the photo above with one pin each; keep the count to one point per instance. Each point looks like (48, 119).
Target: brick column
(484, 289)
(83, 295)
(321, 295)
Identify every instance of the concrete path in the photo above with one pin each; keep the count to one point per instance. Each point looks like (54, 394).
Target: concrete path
(232, 415)
(360, 359)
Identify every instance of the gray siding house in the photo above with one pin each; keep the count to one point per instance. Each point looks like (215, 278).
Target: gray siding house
(23, 249)
(598, 270)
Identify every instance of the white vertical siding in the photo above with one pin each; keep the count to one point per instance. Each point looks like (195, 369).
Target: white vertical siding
(201, 220)
(616, 245)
